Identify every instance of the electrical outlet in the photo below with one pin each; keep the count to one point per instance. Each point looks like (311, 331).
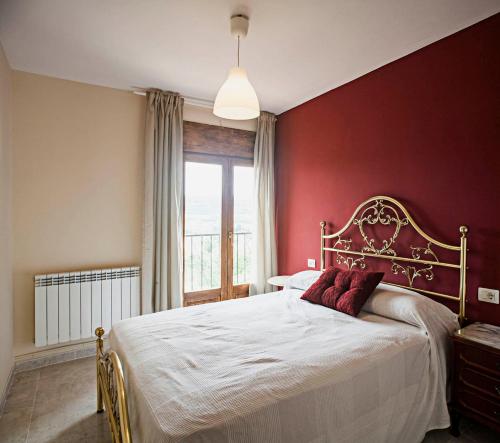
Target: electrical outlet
(488, 295)
(311, 263)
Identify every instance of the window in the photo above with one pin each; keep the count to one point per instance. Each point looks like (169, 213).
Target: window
(218, 213)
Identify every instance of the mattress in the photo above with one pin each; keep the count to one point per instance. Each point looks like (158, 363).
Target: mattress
(275, 368)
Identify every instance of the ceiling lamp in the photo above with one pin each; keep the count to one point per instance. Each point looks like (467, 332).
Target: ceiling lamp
(236, 99)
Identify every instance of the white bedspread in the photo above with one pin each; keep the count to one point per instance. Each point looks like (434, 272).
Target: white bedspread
(274, 368)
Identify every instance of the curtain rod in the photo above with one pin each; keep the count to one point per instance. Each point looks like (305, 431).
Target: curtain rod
(188, 100)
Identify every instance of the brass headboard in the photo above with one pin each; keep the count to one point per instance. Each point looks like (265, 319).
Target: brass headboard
(387, 211)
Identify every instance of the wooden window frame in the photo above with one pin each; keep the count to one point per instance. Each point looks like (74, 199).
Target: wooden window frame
(228, 148)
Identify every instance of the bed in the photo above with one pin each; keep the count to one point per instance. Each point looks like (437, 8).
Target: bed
(275, 368)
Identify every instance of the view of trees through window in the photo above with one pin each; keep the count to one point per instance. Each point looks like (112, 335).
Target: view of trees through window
(203, 219)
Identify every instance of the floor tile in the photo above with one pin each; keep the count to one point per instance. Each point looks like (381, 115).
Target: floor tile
(23, 390)
(84, 367)
(65, 406)
(14, 425)
(26, 376)
(82, 427)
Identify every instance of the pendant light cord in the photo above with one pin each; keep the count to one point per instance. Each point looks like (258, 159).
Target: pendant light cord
(238, 51)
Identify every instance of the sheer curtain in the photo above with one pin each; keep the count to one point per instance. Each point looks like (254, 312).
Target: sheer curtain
(264, 257)
(163, 210)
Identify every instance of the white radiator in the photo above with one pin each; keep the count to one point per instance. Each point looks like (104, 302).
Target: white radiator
(71, 305)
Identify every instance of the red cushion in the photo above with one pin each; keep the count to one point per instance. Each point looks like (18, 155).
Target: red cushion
(325, 280)
(350, 290)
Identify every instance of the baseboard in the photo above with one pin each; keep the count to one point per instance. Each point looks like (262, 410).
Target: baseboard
(53, 356)
(5, 393)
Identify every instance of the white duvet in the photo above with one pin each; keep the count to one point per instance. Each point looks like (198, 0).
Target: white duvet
(274, 368)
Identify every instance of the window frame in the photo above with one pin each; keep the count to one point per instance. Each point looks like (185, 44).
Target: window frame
(227, 147)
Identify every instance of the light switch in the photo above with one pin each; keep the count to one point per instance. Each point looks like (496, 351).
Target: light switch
(488, 295)
(311, 263)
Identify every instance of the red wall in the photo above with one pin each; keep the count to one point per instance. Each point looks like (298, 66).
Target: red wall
(424, 129)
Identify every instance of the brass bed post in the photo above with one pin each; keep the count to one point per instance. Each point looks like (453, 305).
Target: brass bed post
(99, 352)
(322, 256)
(463, 272)
(111, 394)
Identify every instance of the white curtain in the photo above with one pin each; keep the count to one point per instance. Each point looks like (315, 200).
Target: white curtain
(162, 278)
(264, 256)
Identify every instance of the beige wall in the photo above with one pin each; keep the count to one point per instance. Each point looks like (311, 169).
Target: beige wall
(78, 184)
(6, 300)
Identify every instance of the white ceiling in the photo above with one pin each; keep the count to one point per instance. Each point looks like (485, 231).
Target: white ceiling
(295, 49)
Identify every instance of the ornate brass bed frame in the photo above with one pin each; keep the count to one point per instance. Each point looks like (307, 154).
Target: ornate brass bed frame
(387, 211)
(111, 392)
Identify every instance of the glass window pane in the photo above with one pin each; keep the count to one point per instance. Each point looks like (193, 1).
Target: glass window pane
(243, 224)
(203, 214)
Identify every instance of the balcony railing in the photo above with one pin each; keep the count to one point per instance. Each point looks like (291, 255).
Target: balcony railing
(242, 249)
(202, 260)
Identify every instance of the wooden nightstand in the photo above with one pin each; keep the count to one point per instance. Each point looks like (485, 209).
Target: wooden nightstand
(476, 376)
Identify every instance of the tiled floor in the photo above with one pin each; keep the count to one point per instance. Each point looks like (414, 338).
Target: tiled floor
(54, 404)
(57, 404)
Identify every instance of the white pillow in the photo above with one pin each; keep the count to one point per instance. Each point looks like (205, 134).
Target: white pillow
(302, 280)
(408, 306)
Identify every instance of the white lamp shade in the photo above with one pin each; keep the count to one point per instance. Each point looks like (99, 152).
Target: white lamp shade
(236, 99)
